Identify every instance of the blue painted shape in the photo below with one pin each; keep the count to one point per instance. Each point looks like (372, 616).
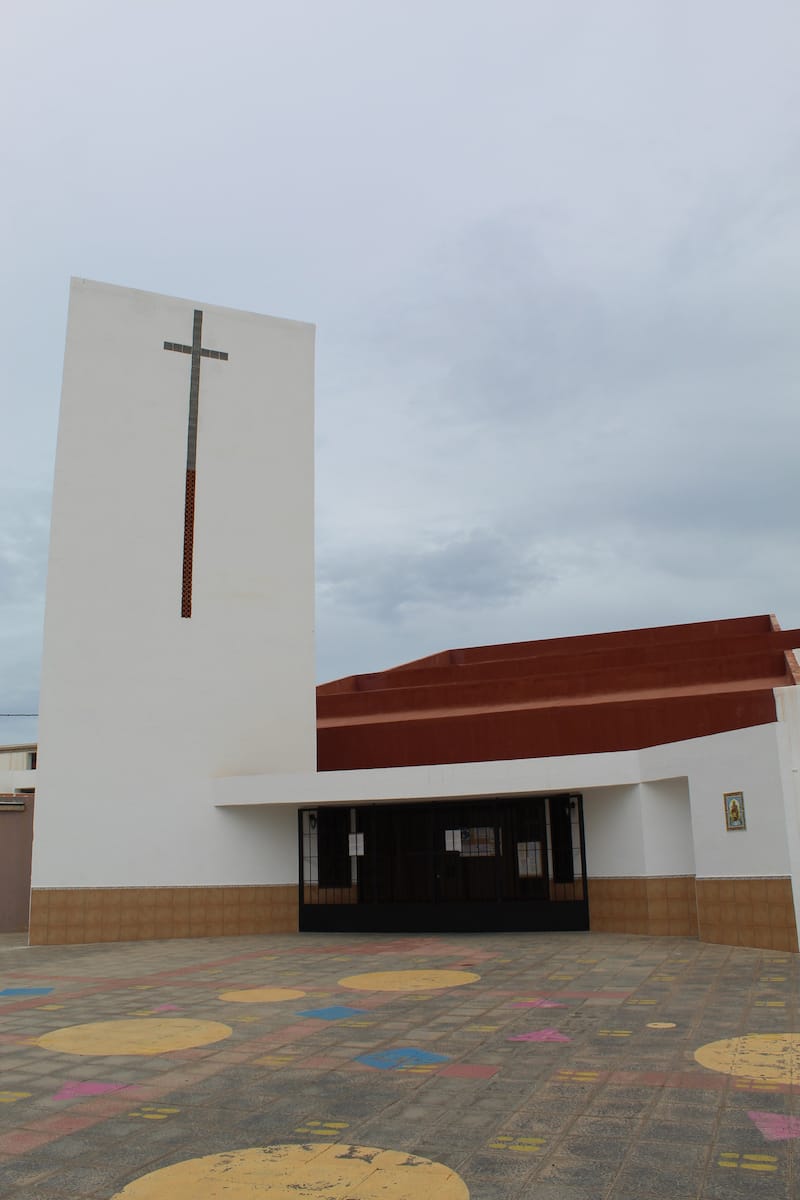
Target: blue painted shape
(26, 991)
(403, 1056)
(334, 1012)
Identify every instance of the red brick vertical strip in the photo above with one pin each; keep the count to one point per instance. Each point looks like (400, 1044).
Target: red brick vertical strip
(188, 546)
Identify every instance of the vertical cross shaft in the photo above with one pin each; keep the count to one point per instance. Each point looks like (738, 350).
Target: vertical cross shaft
(197, 351)
(194, 390)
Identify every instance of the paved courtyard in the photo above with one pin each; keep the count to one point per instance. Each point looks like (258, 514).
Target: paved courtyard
(359, 1067)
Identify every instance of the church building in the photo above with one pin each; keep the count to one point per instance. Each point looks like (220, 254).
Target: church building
(643, 781)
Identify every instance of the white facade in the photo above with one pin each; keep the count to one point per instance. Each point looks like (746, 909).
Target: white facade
(178, 741)
(230, 688)
(651, 812)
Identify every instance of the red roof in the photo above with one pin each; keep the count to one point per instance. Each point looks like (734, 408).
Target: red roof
(572, 695)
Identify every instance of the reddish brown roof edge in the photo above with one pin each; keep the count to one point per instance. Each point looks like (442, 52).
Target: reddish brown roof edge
(620, 724)
(725, 629)
(722, 628)
(792, 665)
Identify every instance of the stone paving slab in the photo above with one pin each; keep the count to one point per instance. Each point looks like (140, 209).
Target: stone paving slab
(565, 1071)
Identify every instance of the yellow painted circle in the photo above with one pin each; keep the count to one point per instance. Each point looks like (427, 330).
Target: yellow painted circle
(766, 1057)
(146, 1035)
(315, 1172)
(262, 995)
(407, 981)
(661, 1025)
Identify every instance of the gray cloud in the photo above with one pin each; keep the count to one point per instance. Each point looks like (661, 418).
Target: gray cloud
(638, 466)
(469, 569)
(554, 264)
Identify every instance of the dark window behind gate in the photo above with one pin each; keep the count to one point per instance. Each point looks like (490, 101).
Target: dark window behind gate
(480, 865)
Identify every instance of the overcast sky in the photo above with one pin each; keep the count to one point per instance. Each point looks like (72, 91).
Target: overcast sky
(552, 251)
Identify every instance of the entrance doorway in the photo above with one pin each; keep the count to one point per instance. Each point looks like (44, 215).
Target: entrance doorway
(489, 864)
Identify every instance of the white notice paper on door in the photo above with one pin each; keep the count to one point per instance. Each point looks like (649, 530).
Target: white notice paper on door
(356, 845)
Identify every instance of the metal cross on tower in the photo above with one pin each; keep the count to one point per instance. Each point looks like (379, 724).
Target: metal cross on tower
(197, 351)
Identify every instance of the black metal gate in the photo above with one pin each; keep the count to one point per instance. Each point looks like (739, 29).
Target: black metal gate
(488, 864)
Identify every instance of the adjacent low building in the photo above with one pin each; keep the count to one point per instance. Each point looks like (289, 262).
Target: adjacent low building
(17, 786)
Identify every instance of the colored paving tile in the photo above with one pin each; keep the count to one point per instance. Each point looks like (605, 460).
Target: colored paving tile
(334, 1012)
(775, 1126)
(401, 1058)
(322, 1128)
(766, 1057)
(540, 1035)
(141, 1036)
(537, 1004)
(262, 995)
(469, 1071)
(407, 981)
(518, 1144)
(747, 1162)
(319, 1171)
(75, 1088)
(23, 991)
(154, 1112)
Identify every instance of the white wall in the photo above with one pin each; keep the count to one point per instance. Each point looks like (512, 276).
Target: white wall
(744, 760)
(643, 829)
(613, 832)
(667, 827)
(657, 811)
(140, 708)
(12, 781)
(788, 736)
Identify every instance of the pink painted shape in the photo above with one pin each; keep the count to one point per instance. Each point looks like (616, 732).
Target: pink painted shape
(775, 1127)
(79, 1087)
(538, 1004)
(541, 1035)
(166, 1008)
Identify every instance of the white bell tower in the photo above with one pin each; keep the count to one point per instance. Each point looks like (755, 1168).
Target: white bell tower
(179, 638)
